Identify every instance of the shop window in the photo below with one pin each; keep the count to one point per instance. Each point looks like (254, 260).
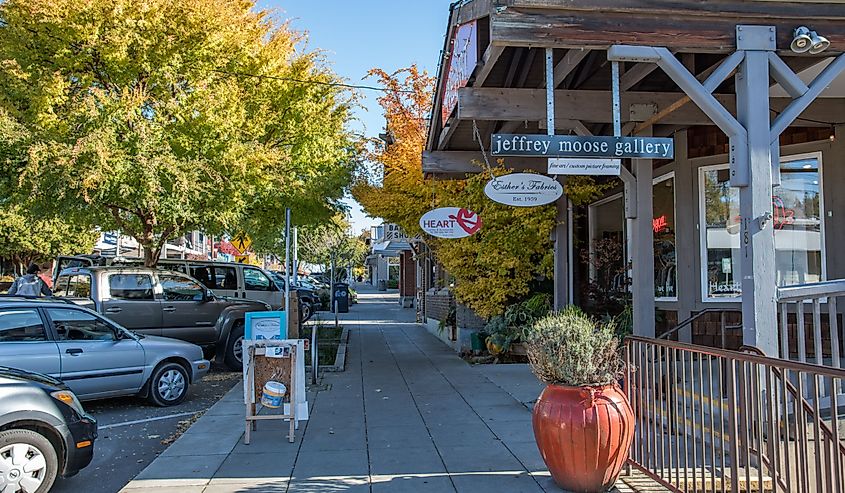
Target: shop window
(797, 211)
(608, 284)
(663, 226)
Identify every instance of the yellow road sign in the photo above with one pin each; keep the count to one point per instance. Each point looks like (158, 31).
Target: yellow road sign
(241, 242)
(242, 259)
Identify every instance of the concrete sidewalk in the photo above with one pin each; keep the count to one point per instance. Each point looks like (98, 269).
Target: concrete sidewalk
(407, 415)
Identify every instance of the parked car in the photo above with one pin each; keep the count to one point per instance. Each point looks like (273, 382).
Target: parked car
(241, 281)
(44, 432)
(163, 303)
(93, 355)
(309, 299)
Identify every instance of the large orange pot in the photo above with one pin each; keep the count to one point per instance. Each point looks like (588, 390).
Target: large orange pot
(584, 434)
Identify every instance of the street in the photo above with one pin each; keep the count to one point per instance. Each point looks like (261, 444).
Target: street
(133, 432)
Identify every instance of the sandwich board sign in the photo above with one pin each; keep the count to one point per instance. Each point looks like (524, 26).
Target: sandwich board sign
(523, 190)
(450, 222)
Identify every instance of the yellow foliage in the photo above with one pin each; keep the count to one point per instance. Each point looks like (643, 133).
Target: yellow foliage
(495, 266)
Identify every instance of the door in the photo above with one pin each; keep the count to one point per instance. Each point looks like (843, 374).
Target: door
(186, 312)
(129, 300)
(95, 363)
(24, 343)
(258, 286)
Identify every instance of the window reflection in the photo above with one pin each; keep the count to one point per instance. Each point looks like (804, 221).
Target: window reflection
(796, 211)
(663, 227)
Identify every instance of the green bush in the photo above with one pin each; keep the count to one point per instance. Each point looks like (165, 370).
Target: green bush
(392, 284)
(572, 348)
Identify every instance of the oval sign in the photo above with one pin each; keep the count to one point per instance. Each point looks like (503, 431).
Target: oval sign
(450, 222)
(523, 189)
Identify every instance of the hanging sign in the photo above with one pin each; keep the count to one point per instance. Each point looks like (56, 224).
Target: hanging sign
(584, 166)
(462, 61)
(523, 190)
(450, 222)
(557, 146)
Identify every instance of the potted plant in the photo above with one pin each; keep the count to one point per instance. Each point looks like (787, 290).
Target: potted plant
(583, 423)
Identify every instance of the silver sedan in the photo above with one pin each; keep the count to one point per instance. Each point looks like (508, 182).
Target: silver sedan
(94, 356)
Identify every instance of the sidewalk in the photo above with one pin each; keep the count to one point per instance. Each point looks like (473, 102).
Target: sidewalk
(407, 415)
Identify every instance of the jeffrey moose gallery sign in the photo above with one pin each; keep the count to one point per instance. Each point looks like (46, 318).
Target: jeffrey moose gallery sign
(576, 146)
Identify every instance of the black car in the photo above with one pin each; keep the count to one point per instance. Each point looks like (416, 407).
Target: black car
(44, 432)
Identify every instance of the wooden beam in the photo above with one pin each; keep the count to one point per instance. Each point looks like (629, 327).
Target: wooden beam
(595, 107)
(635, 74)
(565, 25)
(463, 162)
(566, 65)
(491, 56)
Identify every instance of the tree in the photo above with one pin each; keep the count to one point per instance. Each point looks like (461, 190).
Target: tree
(494, 267)
(25, 239)
(166, 116)
(319, 244)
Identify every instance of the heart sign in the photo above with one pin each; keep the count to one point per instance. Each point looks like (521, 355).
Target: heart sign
(450, 222)
(468, 221)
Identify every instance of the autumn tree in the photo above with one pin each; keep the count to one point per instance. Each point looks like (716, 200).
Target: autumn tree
(319, 244)
(494, 267)
(165, 116)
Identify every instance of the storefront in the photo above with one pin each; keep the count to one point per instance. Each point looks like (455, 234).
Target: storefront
(671, 234)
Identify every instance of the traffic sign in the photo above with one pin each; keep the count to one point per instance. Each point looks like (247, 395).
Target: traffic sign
(241, 242)
(242, 259)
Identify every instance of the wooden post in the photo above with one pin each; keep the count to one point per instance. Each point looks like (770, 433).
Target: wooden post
(642, 249)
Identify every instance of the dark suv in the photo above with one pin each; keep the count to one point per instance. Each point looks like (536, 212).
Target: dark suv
(44, 432)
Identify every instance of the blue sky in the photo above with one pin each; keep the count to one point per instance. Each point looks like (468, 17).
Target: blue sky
(358, 36)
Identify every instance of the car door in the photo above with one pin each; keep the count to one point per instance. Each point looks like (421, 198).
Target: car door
(24, 342)
(128, 299)
(259, 287)
(225, 280)
(95, 362)
(186, 313)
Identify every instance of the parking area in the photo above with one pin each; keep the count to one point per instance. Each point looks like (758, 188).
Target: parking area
(133, 432)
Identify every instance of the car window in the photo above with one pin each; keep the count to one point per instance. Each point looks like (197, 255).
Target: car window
(178, 288)
(75, 286)
(255, 280)
(77, 325)
(132, 287)
(202, 273)
(225, 277)
(21, 325)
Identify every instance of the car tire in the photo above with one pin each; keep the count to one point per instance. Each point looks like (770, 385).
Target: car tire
(234, 347)
(169, 384)
(41, 464)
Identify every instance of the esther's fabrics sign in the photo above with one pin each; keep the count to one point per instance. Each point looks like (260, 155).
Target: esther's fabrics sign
(582, 146)
(450, 222)
(523, 190)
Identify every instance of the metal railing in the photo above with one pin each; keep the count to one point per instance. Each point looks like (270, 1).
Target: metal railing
(724, 421)
(688, 322)
(805, 301)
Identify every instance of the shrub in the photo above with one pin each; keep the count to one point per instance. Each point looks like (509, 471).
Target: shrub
(571, 348)
(392, 284)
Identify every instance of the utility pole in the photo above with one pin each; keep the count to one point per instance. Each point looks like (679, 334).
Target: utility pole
(295, 255)
(287, 260)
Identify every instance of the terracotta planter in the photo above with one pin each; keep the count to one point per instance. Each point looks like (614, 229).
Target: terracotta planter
(584, 434)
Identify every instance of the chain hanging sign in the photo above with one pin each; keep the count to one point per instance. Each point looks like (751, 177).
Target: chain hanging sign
(450, 222)
(523, 189)
(578, 146)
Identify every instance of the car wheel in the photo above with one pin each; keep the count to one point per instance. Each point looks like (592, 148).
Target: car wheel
(305, 312)
(169, 385)
(28, 462)
(235, 348)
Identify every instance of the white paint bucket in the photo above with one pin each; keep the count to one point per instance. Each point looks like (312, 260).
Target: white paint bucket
(273, 395)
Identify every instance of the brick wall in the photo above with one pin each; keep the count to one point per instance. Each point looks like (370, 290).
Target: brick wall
(437, 304)
(468, 319)
(407, 274)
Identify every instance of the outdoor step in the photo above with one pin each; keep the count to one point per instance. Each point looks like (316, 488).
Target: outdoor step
(688, 480)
